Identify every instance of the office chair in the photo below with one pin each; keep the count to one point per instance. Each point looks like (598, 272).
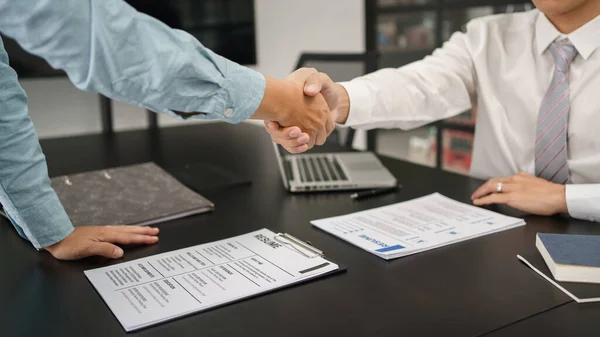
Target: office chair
(343, 67)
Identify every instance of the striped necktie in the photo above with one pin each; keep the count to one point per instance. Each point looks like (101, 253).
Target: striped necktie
(551, 134)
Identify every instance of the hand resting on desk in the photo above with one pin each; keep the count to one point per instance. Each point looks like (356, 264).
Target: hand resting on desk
(524, 192)
(101, 240)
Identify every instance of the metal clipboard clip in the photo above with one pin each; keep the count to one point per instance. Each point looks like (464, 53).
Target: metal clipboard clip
(292, 242)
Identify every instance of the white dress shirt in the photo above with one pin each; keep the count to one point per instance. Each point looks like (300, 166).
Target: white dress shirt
(502, 64)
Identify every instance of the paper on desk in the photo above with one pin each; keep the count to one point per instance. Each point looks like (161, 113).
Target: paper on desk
(162, 287)
(414, 226)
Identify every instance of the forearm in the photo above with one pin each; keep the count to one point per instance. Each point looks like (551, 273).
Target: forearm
(25, 192)
(274, 99)
(437, 87)
(583, 201)
(401, 98)
(108, 47)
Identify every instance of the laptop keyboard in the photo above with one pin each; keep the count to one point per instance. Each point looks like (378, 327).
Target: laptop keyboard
(320, 169)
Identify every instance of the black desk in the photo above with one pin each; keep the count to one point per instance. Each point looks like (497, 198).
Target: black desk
(571, 319)
(466, 289)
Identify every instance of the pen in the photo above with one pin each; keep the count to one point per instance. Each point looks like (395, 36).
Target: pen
(374, 192)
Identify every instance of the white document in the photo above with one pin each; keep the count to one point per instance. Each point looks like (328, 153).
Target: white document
(414, 226)
(162, 287)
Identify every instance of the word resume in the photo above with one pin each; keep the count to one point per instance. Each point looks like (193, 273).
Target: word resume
(162, 287)
(414, 226)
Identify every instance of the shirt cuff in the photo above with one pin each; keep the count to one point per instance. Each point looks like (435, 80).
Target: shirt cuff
(241, 93)
(360, 103)
(583, 201)
(245, 90)
(43, 224)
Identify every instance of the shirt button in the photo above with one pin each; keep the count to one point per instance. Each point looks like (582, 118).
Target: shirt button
(229, 112)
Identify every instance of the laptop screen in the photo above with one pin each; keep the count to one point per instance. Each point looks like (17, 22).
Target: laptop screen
(279, 152)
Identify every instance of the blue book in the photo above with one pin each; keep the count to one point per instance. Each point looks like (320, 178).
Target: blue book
(571, 258)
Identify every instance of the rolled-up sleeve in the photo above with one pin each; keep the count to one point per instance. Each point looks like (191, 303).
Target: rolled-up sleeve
(25, 193)
(106, 46)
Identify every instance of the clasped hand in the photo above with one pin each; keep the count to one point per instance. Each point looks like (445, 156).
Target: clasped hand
(303, 123)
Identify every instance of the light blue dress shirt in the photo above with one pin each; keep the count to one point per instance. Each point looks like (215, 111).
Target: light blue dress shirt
(108, 47)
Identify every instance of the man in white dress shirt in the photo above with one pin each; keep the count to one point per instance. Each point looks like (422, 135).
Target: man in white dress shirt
(535, 78)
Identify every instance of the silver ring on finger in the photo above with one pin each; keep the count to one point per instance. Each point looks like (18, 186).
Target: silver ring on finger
(499, 187)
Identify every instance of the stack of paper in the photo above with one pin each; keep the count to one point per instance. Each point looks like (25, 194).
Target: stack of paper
(414, 226)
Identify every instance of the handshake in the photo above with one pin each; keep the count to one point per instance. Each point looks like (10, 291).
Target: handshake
(301, 110)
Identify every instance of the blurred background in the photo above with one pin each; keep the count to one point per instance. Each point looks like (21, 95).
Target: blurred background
(270, 36)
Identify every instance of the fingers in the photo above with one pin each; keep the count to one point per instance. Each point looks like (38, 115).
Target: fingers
(316, 83)
(321, 137)
(324, 117)
(271, 125)
(488, 194)
(100, 240)
(330, 124)
(143, 230)
(291, 138)
(292, 146)
(312, 86)
(114, 235)
(284, 139)
(310, 114)
(281, 133)
(494, 198)
(301, 74)
(297, 149)
(490, 186)
(483, 190)
(102, 249)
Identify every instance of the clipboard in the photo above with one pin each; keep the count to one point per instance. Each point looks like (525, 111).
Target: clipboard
(263, 257)
(301, 247)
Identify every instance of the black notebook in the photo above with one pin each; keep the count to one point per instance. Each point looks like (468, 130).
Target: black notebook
(580, 292)
(142, 194)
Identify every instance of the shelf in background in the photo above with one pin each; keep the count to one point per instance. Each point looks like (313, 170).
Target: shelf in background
(457, 4)
(399, 58)
(392, 50)
(220, 25)
(394, 28)
(448, 125)
(406, 8)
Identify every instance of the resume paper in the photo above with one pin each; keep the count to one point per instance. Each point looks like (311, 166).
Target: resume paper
(414, 226)
(162, 287)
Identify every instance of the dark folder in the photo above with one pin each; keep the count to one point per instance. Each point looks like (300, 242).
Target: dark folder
(142, 194)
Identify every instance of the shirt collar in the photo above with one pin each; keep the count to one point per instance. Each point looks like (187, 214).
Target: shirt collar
(586, 38)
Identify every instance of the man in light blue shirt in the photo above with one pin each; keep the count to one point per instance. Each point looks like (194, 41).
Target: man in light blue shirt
(106, 46)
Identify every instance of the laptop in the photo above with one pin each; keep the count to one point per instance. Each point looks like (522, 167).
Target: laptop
(332, 171)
